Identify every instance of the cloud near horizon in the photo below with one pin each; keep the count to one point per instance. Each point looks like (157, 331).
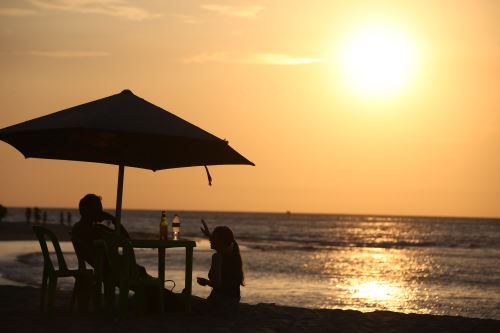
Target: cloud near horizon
(235, 11)
(115, 8)
(17, 12)
(67, 54)
(189, 19)
(255, 59)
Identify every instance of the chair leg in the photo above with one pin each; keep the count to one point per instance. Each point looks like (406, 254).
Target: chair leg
(51, 295)
(123, 302)
(109, 296)
(74, 294)
(98, 296)
(43, 291)
(140, 298)
(161, 300)
(81, 293)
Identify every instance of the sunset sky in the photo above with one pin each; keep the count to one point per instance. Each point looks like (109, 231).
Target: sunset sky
(370, 107)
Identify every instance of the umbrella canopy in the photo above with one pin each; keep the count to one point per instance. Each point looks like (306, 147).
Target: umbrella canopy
(124, 130)
(121, 129)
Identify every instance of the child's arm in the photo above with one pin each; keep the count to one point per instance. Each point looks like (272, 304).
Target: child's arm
(215, 274)
(205, 229)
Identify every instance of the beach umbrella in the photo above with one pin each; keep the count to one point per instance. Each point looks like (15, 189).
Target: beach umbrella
(124, 130)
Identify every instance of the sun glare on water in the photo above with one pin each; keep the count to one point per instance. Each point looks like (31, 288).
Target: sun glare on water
(378, 60)
(374, 291)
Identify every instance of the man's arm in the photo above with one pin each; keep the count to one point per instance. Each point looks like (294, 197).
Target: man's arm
(108, 217)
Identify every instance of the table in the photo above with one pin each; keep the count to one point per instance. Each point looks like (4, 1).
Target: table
(162, 245)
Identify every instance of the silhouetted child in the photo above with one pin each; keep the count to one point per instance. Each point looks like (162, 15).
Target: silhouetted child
(61, 218)
(44, 219)
(68, 218)
(226, 271)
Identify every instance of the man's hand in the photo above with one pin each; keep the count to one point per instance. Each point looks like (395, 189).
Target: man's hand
(205, 229)
(107, 217)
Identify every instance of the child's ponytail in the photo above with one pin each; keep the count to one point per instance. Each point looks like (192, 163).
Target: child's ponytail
(237, 255)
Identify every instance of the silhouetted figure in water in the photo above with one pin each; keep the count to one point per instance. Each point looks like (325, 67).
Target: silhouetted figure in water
(3, 212)
(226, 271)
(36, 213)
(44, 218)
(90, 228)
(61, 218)
(68, 218)
(27, 213)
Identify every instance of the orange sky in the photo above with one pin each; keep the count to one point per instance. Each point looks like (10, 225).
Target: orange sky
(266, 76)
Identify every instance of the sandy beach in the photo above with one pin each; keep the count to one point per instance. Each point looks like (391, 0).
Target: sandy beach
(19, 311)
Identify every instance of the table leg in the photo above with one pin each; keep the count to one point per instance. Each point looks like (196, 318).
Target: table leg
(161, 264)
(188, 277)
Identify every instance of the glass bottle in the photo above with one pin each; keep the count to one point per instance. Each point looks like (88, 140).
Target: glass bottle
(176, 227)
(163, 226)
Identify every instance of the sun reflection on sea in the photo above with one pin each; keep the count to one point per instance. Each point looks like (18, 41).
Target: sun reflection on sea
(373, 278)
(375, 291)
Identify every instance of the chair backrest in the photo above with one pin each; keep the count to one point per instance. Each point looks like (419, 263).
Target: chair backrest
(120, 256)
(79, 257)
(42, 234)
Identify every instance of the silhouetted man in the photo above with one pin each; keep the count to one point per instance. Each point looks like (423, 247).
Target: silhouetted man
(89, 229)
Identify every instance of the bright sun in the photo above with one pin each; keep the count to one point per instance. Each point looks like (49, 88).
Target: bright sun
(378, 60)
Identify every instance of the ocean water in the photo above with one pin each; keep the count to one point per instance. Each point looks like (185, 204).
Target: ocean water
(445, 266)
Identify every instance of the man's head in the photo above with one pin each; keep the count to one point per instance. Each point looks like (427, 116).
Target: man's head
(91, 208)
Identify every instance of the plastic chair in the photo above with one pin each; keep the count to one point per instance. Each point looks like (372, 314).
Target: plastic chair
(83, 276)
(97, 276)
(124, 274)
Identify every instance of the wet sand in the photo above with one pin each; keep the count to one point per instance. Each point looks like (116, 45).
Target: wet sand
(10, 231)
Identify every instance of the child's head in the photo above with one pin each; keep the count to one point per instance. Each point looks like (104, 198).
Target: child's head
(222, 237)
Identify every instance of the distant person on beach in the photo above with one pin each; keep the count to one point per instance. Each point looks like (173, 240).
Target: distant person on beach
(27, 213)
(44, 219)
(36, 213)
(226, 271)
(61, 218)
(3, 212)
(68, 218)
(90, 228)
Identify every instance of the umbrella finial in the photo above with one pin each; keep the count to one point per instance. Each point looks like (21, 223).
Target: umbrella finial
(127, 91)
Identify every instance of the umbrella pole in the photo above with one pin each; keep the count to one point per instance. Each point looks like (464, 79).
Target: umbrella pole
(119, 195)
